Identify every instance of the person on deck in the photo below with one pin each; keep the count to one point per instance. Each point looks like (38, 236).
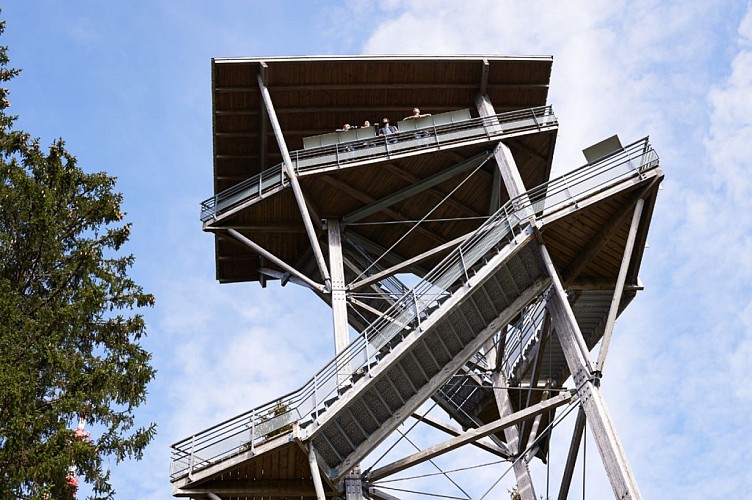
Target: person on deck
(416, 114)
(387, 128)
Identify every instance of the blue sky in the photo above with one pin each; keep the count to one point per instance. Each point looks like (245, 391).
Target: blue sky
(128, 86)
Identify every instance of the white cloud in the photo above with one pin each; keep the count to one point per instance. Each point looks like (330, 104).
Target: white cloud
(675, 377)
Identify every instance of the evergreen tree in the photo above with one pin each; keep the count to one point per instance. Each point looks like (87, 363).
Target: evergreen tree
(69, 327)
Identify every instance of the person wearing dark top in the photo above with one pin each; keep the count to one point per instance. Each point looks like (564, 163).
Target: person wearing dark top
(387, 128)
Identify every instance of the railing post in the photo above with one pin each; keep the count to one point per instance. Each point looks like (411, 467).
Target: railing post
(190, 463)
(253, 431)
(417, 311)
(463, 265)
(535, 118)
(368, 357)
(315, 397)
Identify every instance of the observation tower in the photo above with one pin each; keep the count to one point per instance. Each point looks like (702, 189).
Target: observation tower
(520, 277)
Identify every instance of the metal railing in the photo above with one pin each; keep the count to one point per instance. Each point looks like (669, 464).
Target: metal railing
(247, 430)
(306, 161)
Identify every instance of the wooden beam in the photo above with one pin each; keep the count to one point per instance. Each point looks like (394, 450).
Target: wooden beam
(574, 449)
(315, 472)
(621, 278)
(504, 158)
(612, 453)
(279, 262)
(453, 431)
(512, 434)
(363, 197)
(404, 264)
(484, 70)
(287, 164)
(468, 437)
(420, 186)
(263, 120)
(339, 297)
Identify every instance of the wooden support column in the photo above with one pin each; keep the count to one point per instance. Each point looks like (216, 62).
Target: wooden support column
(494, 356)
(339, 295)
(290, 172)
(315, 473)
(512, 435)
(574, 448)
(468, 437)
(616, 299)
(504, 159)
(610, 448)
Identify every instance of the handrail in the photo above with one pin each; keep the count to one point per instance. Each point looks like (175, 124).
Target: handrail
(374, 149)
(246, 430)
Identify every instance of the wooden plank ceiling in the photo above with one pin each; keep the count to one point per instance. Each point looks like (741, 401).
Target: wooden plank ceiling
(316, 95)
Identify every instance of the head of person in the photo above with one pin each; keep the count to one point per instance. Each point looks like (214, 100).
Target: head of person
(385, 121)
(416, 112)
(346, 126)
(366, 123)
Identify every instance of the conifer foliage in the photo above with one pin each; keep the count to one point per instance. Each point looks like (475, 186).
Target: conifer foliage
(70, 329)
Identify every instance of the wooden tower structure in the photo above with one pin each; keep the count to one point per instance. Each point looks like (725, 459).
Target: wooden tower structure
(519, 276)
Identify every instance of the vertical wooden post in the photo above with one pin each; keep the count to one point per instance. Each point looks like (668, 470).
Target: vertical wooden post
(494, 356)
(504, 158)
(339, 296)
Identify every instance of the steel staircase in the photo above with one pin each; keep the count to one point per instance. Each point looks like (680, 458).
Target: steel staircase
(412, 351)
(427, 357)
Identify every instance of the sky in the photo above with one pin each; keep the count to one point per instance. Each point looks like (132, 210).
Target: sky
(127, 85)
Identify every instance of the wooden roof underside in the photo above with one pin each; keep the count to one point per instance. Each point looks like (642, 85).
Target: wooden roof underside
(315, 95)
(277, 473)
(275, 222)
